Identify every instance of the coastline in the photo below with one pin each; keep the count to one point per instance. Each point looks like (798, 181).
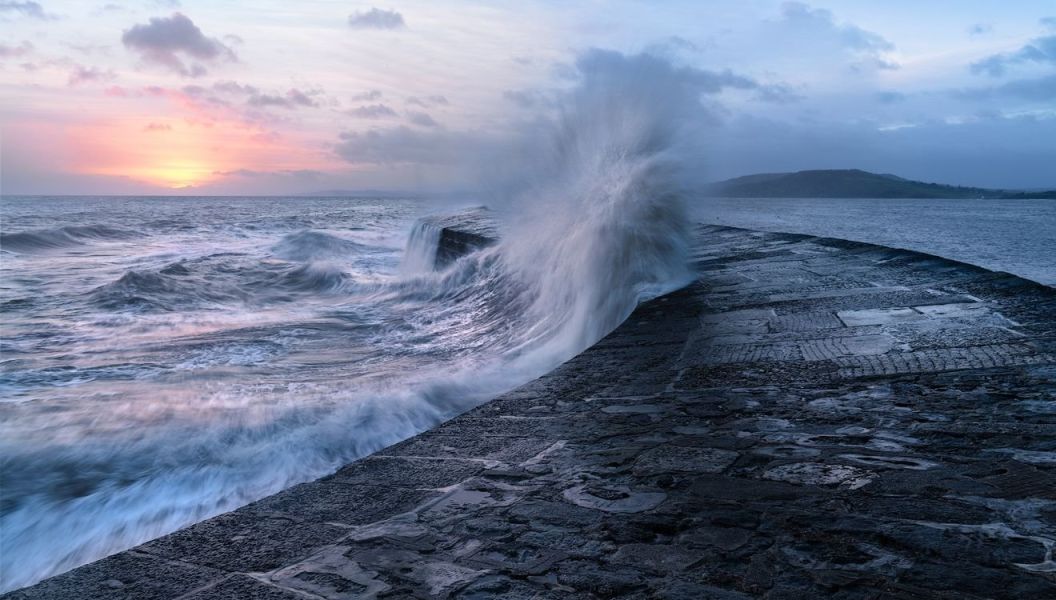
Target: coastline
(810, 417)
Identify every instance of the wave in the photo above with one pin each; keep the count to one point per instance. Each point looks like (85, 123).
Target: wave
(590, 227)
(186, 286)
(63, 237)
(311, 245)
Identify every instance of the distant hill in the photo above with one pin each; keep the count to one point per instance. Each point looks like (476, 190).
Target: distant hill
(853, 183)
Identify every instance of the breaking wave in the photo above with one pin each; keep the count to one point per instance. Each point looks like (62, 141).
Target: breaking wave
(591, 222)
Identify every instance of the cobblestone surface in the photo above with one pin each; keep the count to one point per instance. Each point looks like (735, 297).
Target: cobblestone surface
(812, 418)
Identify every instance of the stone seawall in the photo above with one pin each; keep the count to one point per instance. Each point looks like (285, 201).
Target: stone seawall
(811, 418)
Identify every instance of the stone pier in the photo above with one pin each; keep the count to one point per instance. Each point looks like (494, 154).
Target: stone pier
(812, 418)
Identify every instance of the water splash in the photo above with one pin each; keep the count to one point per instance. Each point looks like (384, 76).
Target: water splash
(201, 418)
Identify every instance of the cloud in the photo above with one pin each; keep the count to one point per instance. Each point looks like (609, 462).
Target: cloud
(376, 18)
(304, 174)
(817, 37)
(1042, 89)
(23, 49)
(600, 74)
(980, 29)
(821, 22)
(1039, 50)
(368, 96)
(372, 111)
(889, 97)
(32, 10)
(177, 44)
(157, 127)
(233, 87)
(604, 63)
(777, 94)
(402, 145)
(529, 99)
(427, 101)
(293, 98)
(81, 74)
(421, 119)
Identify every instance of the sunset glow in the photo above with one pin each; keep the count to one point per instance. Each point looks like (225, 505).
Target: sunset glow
(290, 98)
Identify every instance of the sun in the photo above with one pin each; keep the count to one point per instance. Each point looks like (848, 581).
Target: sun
(176, 173)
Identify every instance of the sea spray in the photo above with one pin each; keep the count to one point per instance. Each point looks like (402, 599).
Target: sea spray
(230, 373)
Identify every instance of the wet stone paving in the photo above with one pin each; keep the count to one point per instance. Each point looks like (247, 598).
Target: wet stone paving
(812, 418)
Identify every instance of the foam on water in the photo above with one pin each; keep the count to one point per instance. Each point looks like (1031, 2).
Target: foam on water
(209, 363)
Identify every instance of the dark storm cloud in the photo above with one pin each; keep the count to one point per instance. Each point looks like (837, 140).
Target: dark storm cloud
(372, 111)
(32, 10)
(177, 44)
(376, 18)
(1040, 50)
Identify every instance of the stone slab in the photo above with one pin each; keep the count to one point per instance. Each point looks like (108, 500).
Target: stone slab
(812, 418)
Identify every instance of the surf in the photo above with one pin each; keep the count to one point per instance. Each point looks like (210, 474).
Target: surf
(328, 351)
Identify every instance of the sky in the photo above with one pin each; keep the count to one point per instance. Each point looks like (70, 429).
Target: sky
(281, 97)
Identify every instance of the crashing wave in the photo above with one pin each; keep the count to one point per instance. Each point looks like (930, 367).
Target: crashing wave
(593, 224)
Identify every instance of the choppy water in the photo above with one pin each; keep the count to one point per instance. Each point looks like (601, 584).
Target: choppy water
(1017, 236)
(168, 359)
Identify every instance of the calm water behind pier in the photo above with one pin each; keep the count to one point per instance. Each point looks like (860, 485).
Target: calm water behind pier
(1017, 236)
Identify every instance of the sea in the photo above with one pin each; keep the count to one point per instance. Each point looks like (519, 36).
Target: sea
(1016, 236)
(167, 359)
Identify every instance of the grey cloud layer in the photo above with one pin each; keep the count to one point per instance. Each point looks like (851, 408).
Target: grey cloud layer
(177, 44)
(1039, 50)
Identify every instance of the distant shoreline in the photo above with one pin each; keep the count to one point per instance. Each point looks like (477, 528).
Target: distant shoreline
(855, 183)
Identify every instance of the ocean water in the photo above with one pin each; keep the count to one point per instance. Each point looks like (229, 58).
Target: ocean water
(168, 359)
(1017, 236)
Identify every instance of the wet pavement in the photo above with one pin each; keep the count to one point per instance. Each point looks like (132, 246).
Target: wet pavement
(812, 418)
